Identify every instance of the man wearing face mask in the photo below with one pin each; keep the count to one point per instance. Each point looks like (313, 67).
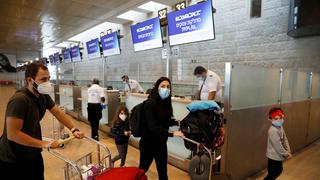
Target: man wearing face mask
(209, 85)
(96, 96)
(131, 85)
(21, 143)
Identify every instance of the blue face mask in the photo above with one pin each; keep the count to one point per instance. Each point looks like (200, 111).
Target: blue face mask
(278, 123)
(164, 93)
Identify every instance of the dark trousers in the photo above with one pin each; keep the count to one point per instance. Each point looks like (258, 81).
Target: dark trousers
(274, 169)
(122, 149)
(94, 116)
(29, 169)
(150, 150)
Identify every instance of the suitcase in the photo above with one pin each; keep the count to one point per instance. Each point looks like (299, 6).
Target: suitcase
(123, 173)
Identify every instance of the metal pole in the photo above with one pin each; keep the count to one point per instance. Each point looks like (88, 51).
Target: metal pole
(104, 71)
(280, 86)
(168, 62)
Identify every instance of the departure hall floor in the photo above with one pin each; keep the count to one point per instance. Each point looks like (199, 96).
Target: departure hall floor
(304, 165)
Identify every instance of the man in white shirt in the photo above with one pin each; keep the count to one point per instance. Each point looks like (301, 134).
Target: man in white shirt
(209, 85)
(131, 85)
(95, 97)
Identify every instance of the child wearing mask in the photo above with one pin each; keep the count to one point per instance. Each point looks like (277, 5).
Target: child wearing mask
(278, 148)
(121, 133)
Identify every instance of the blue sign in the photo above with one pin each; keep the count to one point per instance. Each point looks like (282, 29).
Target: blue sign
(51, 59)
(146, 35)
(75, 54)
(67, 56)
(56, 58)
(110, 44)
(192, 24)
(93, 48)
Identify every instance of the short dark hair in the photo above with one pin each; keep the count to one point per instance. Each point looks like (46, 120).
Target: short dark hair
(124, 76)
(199, 70)
(33, 68)
(95, 81)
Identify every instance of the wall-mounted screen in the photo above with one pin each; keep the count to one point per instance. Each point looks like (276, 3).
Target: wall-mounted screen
(192, 24)
(146, 35)
(110, 44)
(56, 58)
(93, 48)
(75, 54)
(66, 56)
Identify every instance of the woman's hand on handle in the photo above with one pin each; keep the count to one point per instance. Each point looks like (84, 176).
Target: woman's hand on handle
(178, 134)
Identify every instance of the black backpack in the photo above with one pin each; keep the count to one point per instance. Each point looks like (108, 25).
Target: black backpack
(135, 119)
(202, 126)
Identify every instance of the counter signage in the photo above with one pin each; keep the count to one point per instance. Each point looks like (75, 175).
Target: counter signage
(56, 58)
(110, 44)
(146, 35)
(192, 24)
(75, 54)
(66, 56)
(93, 48)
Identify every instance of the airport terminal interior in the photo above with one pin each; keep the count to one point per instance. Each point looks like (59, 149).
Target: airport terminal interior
(256, 55)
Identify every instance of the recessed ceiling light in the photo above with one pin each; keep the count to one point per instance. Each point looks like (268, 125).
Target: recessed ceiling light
(152, 6)
(130, 15)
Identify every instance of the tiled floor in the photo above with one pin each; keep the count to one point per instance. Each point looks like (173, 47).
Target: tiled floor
(305, 165)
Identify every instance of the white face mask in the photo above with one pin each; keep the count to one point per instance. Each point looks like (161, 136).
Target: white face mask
(123, 117)
(44, 88)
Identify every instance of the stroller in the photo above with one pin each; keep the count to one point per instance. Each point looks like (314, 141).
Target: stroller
(202, 130)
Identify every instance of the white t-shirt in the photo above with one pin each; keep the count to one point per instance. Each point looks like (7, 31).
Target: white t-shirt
(211, 83)
(134, 86)
(95, 93)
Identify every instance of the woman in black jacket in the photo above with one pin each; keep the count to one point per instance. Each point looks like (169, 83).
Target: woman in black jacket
(154, 128)
(121, 133)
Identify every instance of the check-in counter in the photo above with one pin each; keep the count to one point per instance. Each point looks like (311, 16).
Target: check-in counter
(178, 154)
(66, 96)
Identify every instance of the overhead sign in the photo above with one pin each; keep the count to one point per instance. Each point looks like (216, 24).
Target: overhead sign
(146, 35)
(93, 48)
(56, 58)
(75, 54)
(192, 24)
(180, 5)
(51, 59)
(110, 44)
(66, 56)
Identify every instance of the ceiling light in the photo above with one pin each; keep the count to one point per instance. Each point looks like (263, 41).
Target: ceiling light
(130, 15)
(152, 6)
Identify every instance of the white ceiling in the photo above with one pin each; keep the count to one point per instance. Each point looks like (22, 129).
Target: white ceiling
(33, 24)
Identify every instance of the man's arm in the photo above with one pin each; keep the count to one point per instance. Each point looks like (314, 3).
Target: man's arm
(14, 133)
(212, 95)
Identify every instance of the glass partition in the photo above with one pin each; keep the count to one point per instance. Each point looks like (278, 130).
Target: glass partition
(295, 86)
(66, 96)
(316, 86)
(253, 86)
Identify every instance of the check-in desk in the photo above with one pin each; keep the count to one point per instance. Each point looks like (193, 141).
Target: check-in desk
(66, 97)
(178, 154)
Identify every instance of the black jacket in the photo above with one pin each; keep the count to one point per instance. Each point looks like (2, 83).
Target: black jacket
(157, 119)
(118, 132)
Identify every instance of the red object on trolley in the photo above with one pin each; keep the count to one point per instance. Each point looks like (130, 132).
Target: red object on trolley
(123, 173)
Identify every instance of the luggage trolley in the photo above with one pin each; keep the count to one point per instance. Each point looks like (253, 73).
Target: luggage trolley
(84, 167)
(198, 169)
(58, 131)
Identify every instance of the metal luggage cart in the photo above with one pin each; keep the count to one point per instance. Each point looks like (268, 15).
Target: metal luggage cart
(211, 153)
(73, 168)
(58, 131)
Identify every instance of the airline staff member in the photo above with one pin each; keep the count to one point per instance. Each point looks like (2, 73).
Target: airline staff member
(21, 142)
(131, 85)
(95, 97)
(209, 85)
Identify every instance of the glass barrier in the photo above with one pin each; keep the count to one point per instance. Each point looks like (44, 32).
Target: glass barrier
(295, 86)
(316, 86)
(66, 96)
(253, 86)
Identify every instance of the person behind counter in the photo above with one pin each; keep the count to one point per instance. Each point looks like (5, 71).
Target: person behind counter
(131, 85)
(158, 115)
(21, 142)
(95, 97)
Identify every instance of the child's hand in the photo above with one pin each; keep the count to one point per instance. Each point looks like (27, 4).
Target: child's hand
(126, 133)
(290, 156)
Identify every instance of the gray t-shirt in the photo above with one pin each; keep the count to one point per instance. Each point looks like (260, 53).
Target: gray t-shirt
(31, 109)
(278, 146)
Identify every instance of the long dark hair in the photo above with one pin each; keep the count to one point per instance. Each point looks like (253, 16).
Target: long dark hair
(116, 118)
(155, 95)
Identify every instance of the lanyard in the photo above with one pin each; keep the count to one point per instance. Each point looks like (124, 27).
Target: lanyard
(202, 84)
